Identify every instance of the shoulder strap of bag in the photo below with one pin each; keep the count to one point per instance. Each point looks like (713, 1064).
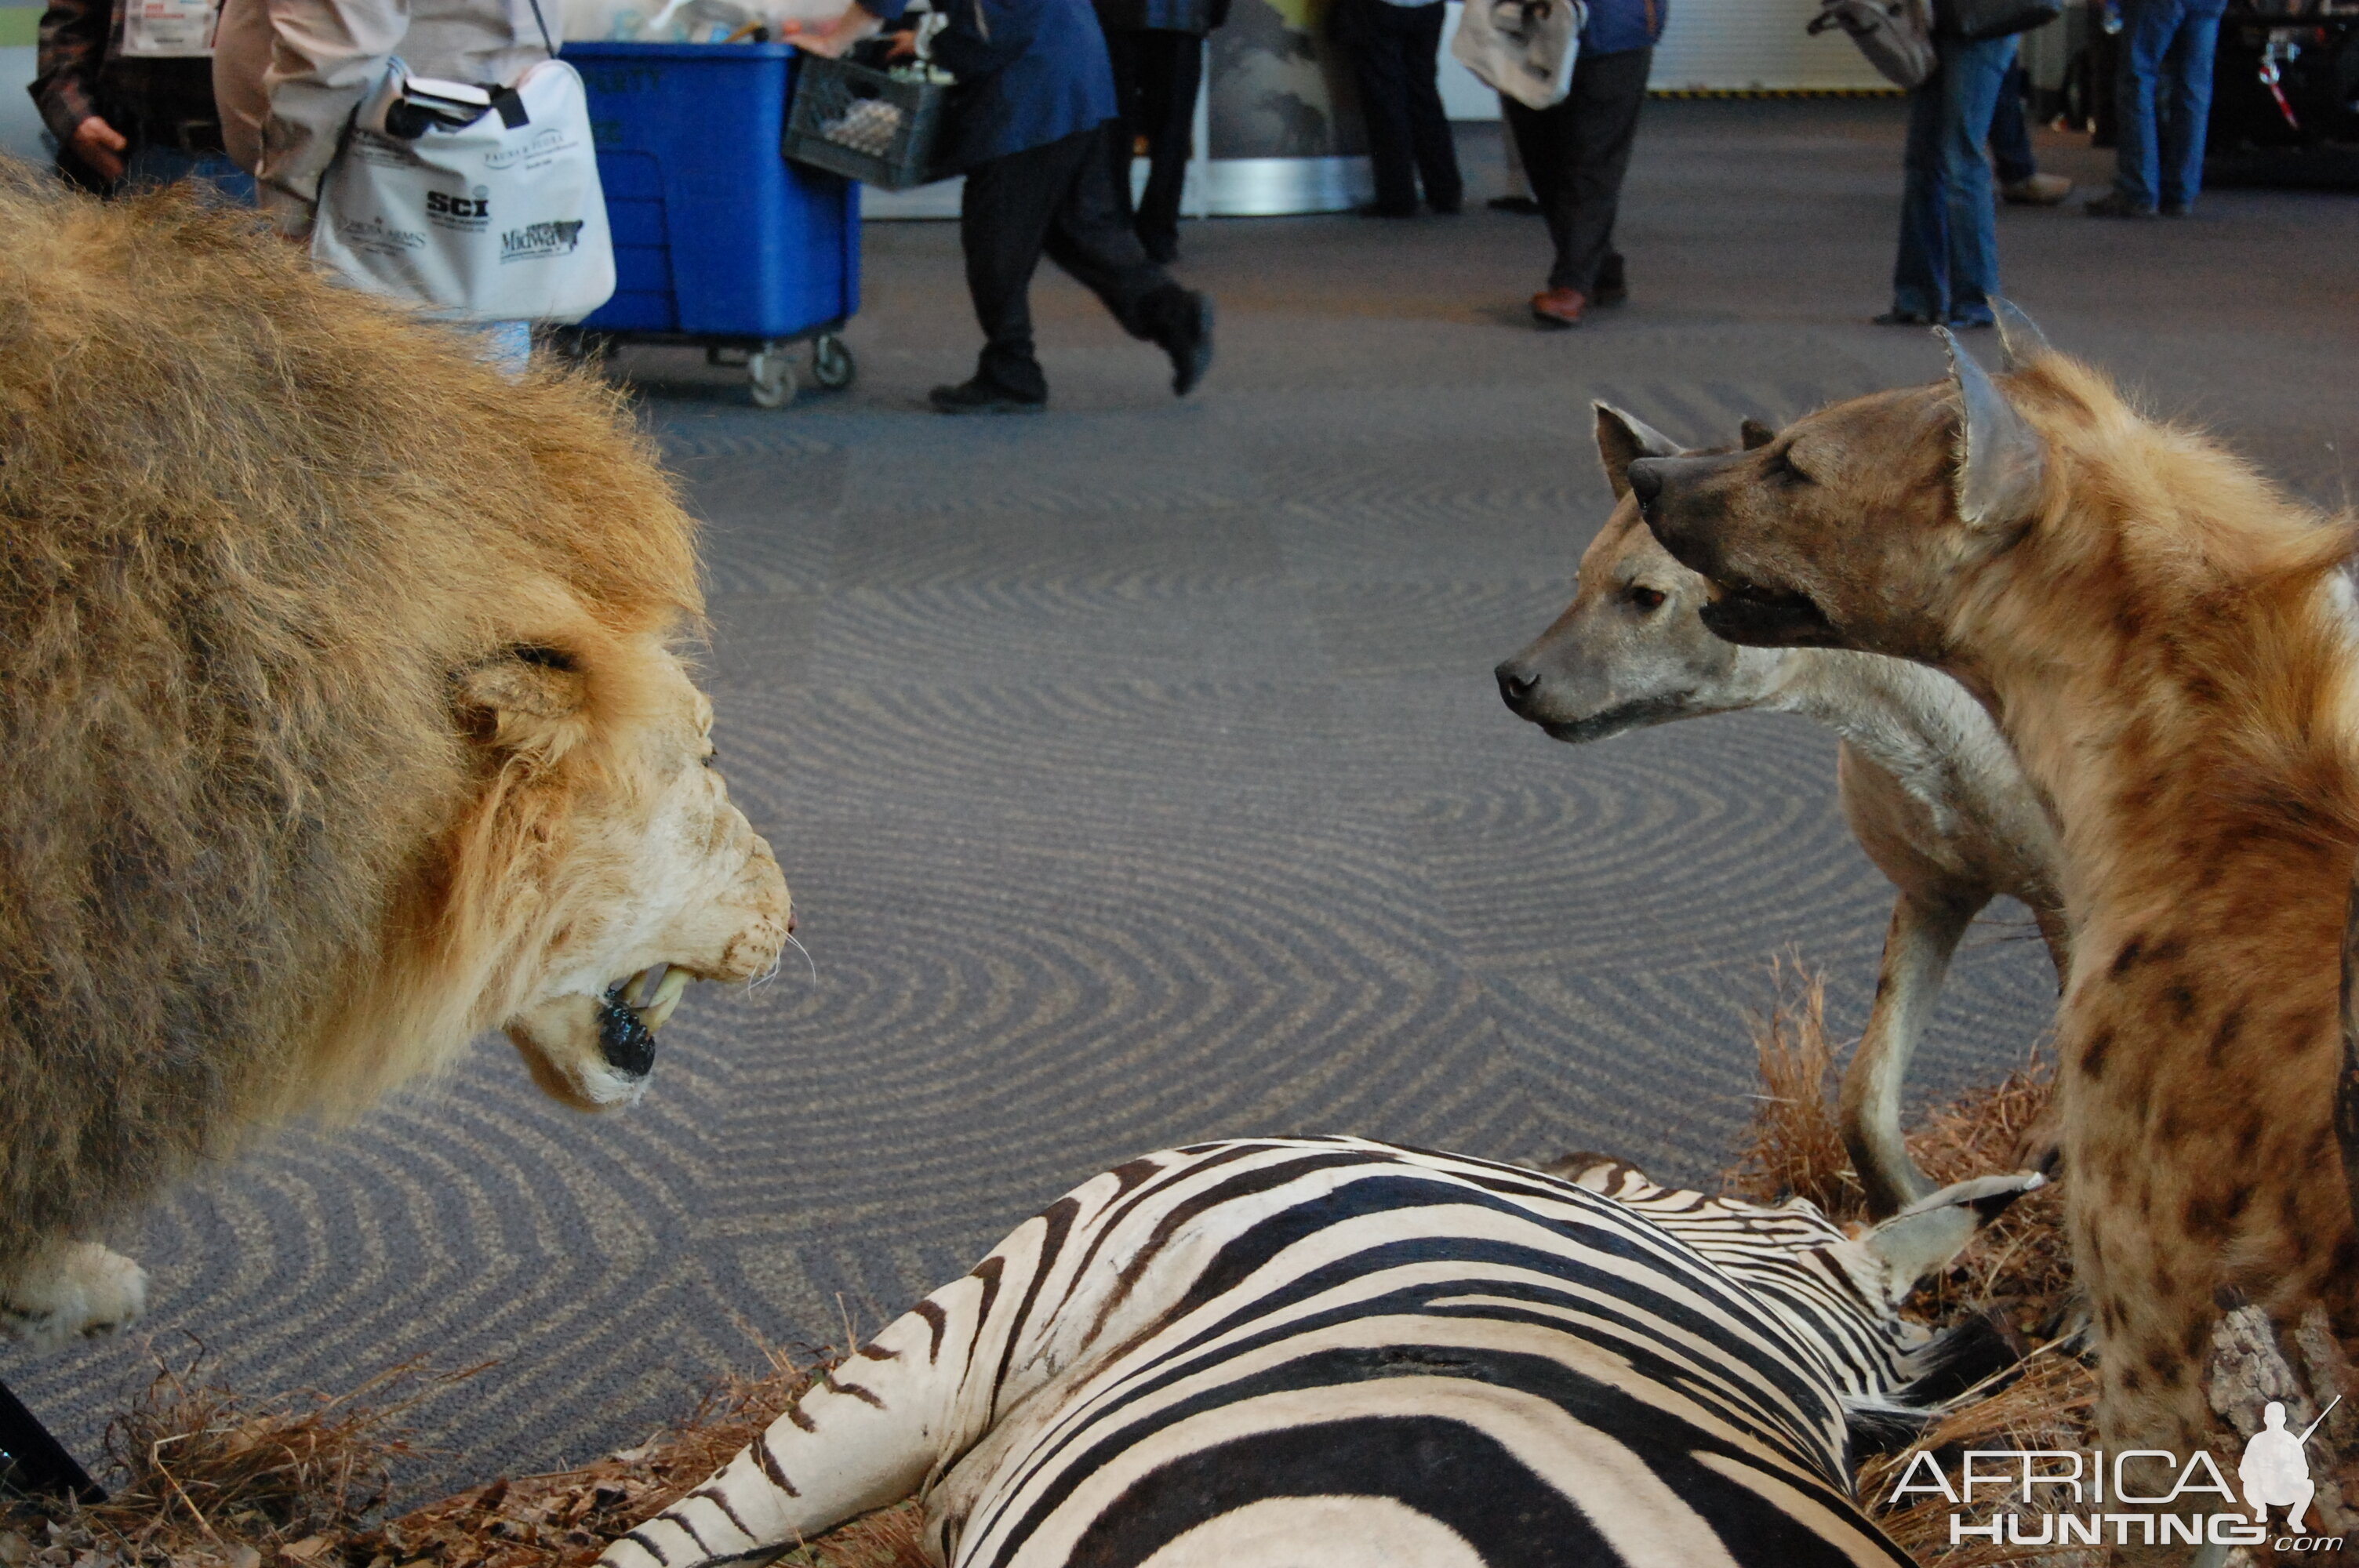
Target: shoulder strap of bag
(542, 23)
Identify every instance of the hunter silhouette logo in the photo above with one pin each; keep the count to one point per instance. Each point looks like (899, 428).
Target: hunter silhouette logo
(2274, 1470)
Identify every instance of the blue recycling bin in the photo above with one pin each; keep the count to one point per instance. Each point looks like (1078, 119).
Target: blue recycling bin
(718, 239)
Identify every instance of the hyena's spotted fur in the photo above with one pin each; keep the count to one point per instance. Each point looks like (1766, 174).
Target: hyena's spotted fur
(2170, 642)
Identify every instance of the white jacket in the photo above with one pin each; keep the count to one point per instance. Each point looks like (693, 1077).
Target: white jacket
(288, 73)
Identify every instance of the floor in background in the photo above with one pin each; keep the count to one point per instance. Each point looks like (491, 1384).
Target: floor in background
(1139, 776)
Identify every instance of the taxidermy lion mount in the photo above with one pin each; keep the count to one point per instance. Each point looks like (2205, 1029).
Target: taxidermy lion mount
(340, 722)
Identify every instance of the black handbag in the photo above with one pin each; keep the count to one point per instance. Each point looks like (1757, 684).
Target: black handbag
(1975, 20)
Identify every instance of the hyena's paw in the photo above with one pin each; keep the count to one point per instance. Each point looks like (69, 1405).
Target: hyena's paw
(76, 1292)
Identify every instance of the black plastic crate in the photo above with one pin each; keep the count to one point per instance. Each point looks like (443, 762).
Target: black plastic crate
(864, 124)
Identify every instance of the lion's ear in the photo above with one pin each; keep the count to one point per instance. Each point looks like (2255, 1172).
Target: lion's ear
(530, 699)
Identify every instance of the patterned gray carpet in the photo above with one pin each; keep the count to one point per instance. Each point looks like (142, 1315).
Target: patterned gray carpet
(1139, 776)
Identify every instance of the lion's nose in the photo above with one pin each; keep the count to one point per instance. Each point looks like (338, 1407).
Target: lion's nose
(1517, 685)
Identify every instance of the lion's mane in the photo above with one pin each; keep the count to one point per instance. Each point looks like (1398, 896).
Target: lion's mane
(253, 528)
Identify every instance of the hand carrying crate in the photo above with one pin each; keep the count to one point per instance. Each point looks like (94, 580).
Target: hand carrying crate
(865, 124)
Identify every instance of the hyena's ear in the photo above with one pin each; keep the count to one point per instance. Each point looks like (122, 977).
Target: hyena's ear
(2020, 340)
(1754, 434)
(1623, 439)
(1893, 1256)
(2000, 456)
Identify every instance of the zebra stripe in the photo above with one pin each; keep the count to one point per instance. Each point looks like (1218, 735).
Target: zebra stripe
(1308, 1351)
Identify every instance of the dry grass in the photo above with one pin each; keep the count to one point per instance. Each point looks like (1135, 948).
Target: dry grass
(202, 1478)
(1793, 1146)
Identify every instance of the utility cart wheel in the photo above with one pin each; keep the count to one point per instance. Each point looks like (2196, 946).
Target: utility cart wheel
(832, 366)
(771, 375)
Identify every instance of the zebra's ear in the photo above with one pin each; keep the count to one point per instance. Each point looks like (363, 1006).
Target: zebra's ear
(1926, 1235)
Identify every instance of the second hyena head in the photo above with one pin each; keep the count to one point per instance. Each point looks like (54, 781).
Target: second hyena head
(1858, 526)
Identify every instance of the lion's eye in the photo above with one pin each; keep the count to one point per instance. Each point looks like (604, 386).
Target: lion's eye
(1647, 600)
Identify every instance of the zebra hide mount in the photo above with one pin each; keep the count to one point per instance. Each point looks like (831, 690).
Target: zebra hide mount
(1329, 1353)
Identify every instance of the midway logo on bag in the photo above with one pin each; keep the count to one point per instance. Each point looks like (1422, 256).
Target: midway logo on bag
(536, 240)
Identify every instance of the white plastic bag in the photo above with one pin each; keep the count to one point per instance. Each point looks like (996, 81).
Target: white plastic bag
(1522, 47)
(483, 204)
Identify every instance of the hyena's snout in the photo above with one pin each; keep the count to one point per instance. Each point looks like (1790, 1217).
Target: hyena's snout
(1517, 683)
(1654, 485)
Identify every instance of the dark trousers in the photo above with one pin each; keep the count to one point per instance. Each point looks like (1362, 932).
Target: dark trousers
(1394, 50)
(1058, 200)
(1155, 76)
(1575, 154)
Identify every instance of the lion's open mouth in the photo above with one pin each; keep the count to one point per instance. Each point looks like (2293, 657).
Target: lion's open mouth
(631, 1011)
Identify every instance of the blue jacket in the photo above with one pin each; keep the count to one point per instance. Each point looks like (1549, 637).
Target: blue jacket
(1617, 26)
(1031, 73)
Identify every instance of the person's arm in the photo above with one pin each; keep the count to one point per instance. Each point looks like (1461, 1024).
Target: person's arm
(858, 21)
(325, 57)
(65, 86)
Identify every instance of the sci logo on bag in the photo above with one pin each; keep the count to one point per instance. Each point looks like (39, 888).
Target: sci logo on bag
(441, 205)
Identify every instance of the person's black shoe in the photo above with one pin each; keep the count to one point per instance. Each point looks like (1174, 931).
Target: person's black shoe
(2114, 204)
(1449, 208)
(1905, 318)
(1190, 343)
(1161, 249)
(1383, 209)
(1522, 206)
(980, 396)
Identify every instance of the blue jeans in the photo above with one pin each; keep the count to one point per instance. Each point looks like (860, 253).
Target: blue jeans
(1948, 266)
(2162, 96)
(2010, 138)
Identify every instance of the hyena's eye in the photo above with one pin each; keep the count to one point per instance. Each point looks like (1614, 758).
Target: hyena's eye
(1647, 600)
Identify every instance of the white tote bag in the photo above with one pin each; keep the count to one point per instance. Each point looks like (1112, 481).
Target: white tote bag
(1522, 47)
(483, 204)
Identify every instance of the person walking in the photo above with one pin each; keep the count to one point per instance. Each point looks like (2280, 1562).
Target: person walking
(1157, 48)
(1947, 269)
(1576, 151)
(2162, 102)
(131, 101)
(289, 75)
(1394, 46)
(1028, 125)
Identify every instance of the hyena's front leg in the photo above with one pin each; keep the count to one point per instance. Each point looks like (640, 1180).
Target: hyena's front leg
(69, 1291)
(2150, 1285)
(1925, 930)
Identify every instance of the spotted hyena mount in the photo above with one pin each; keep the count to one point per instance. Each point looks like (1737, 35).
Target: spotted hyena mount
(2168, 641)
(1929, 786)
